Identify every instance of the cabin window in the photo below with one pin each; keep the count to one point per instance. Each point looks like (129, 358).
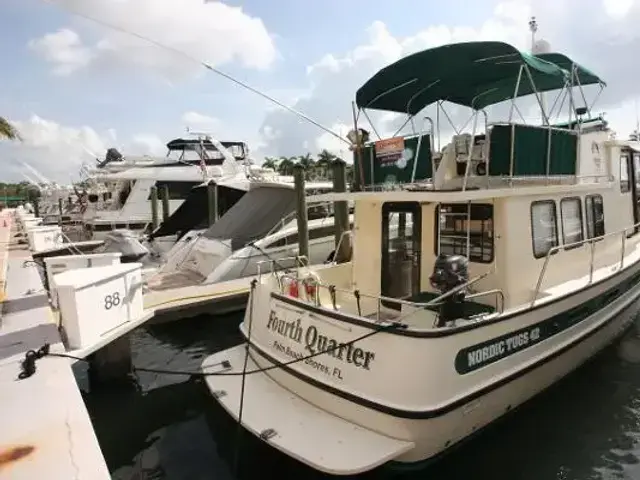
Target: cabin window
(636, 167)
(451, 224)
(544, 230)
(625, 185)
(594, 216)
(571, 216)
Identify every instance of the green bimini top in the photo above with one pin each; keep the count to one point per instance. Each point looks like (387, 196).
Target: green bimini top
(473, 74)
(582, 74)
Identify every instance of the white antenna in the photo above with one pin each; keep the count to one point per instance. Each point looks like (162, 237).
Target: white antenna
(637, 132)
(533, 28)
(230, 164)
(40, 177)
(30, 180)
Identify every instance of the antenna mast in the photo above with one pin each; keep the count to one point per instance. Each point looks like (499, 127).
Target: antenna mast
(533, 28)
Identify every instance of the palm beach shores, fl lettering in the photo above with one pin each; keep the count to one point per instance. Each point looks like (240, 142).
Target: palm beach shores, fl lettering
(315, 342)
(481, 355)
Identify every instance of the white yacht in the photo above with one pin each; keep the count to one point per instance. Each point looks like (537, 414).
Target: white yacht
(515, 260)
(189, 162)
(260, 227)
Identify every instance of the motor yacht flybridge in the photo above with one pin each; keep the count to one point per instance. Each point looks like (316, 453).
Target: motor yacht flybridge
(516, 258)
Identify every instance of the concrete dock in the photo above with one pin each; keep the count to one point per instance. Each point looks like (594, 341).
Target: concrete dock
(45, 429)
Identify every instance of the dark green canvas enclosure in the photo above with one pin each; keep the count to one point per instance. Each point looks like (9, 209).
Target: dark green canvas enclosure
(530, 151)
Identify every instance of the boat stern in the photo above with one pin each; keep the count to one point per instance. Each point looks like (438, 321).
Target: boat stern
(292, 425)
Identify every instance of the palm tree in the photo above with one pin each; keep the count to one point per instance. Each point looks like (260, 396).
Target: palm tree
(270, 162)
(325, 158)
(285, 165)
(8, 131)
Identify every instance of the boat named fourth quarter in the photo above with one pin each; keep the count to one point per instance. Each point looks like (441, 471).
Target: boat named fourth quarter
(513, 258)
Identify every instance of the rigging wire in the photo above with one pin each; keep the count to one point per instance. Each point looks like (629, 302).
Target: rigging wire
(199, 62)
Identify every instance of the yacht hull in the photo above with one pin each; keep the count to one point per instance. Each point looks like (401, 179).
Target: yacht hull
(434, 406)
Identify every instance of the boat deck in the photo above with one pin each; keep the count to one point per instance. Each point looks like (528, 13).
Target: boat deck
(46, 429)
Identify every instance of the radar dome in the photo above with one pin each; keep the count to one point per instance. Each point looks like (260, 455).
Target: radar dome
(541, 46)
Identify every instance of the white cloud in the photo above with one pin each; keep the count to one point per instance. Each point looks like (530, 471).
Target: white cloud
(58, 151)
(617, 8)
(601, 41)
(64, 50)
(329, 142)
(200, 122)
(147, 144)
(207, 31)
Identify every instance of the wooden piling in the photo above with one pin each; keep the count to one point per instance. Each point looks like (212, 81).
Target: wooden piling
(341, 213)
(164, 194)
(301, 210)
(212, 202)
(154, 207)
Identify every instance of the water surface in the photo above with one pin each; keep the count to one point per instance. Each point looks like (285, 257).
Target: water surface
(586, 427)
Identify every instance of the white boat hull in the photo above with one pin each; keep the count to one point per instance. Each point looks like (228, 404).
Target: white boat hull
(447, 406)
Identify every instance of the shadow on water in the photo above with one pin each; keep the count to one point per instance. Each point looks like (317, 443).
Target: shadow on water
(585, 427)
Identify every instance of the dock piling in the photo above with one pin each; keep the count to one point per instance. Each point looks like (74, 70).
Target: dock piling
(164, 194)
(212, 202)
(341, 212)
(154, 207)
(301, 210)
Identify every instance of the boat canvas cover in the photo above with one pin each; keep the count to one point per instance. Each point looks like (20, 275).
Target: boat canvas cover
(472, 74)
(192, 214)
(583, 75)
(253, 216)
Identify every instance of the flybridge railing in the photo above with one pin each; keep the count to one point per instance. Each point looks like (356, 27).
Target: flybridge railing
(550, 167)
(592, 242)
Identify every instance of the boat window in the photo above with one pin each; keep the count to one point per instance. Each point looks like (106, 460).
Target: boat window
(127, 187)
(594, 215)
(177, 190)
(636, 168)
(571, 215)
(451, 225)
(544, 230)
(624, 174)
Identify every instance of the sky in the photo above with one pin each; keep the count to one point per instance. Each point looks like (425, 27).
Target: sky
(74, 87)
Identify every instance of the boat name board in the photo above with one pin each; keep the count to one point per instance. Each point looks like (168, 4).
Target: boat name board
(480, 355)
(314, 342)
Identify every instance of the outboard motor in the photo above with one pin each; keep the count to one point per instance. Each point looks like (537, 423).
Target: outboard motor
(450, 272)
(127, 243)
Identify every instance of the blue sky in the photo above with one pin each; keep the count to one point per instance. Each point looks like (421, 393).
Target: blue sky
(147, 96)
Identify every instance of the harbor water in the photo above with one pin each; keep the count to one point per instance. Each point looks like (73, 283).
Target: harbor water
(169, 427)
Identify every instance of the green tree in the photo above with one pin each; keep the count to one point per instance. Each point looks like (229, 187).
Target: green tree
(285, 165)
(271, 162)
(7, 130)
(323, 165)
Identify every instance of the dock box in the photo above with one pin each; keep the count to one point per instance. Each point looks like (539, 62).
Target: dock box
(95, 301)
(44, 238)
(55, 265)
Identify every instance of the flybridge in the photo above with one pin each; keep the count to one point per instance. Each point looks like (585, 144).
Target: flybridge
(183, 145)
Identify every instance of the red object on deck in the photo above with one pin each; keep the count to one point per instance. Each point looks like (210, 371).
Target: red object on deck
(293, 289)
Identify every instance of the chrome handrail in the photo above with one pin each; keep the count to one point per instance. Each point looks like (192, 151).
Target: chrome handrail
(381, 298)
(590, 241)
